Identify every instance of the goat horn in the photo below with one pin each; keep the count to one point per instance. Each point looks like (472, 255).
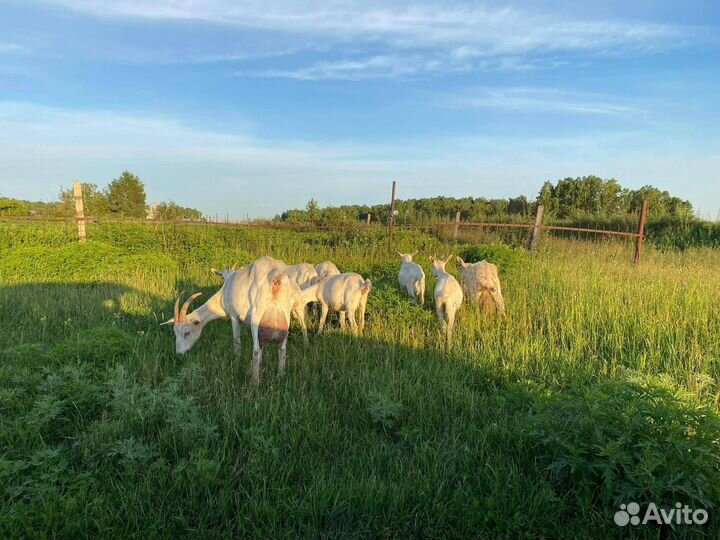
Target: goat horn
(186, 305)
(176, 312)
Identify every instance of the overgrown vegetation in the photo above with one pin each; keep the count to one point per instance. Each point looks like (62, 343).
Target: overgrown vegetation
(599, 389)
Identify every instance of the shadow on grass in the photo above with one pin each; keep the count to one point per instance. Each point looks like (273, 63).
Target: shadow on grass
(364, 438)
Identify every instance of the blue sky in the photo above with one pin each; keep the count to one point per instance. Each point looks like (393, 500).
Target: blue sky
(249, 108)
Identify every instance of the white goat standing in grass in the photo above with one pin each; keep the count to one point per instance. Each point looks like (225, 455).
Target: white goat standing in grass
(412, 278)
(326, 268)
(244, 294)
(481, 280)
(448, 296)
(344, 293)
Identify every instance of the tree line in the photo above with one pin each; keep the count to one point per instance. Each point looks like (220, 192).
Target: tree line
(123, 197)
(569, 199)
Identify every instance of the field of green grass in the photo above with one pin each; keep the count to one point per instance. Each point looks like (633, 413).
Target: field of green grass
(600, 388)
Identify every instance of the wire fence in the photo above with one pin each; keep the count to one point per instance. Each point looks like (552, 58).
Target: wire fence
(454, 230)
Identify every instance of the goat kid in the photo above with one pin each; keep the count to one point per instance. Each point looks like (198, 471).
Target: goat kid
(412, 278)
(448, 296)
(344, 293)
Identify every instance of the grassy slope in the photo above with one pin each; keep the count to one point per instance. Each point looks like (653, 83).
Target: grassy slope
(600, 388)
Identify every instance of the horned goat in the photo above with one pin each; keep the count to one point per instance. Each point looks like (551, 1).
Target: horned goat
(245, 299)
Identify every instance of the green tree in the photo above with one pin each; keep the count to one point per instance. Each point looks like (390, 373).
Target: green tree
(95, 201)
(170, 210)
(126, 196)
(13, 207)
(313, 211)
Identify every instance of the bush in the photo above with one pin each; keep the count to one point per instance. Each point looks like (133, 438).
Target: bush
(628, 440)
(505, 257)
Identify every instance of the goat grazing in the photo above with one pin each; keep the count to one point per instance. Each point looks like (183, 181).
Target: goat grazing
(412, 278)
(448, 296)
(326, 268)
(245, 299)
(344, 293)
(480, 281)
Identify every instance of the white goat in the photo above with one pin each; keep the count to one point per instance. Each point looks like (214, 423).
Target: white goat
(412, 278)
(480, 281)
(272, 296)
(326, 268)
(448, 296)
(344, 293)
(242, 295)
(303, 274)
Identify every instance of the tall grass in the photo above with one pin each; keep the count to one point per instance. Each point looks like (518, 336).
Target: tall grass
(599, 388)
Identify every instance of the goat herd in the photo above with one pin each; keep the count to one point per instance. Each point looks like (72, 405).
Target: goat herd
(265, 293)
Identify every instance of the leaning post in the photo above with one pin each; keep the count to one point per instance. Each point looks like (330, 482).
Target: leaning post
(79, 210)
(391, 221)
(641, 232)
(535, 235)
(368, 219)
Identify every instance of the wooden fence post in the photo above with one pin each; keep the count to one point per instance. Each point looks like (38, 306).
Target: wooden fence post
(367, 220)
(457, 224)
(391, 222)
(535, 235)
(79, 210)
(641, 232)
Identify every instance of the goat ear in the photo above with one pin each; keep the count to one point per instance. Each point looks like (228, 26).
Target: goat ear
(169, 321)
(448, 258)
(399, 254)
(460, 261)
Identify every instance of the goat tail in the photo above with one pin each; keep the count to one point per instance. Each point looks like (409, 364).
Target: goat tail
(366, 286)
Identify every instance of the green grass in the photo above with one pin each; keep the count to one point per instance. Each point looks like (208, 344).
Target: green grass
(601, 387)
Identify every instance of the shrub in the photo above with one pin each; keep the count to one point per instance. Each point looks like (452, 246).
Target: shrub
(628, 440)
(505, 257)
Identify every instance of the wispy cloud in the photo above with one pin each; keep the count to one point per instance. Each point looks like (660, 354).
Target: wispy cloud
(407, 37)
(363, 68)
(540, 100)
(12, 48)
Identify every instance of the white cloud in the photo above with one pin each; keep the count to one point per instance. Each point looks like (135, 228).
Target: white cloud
(12, 48)
(540, 100)
(453, 35)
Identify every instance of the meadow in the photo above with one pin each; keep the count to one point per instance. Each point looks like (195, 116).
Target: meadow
(600, 388)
